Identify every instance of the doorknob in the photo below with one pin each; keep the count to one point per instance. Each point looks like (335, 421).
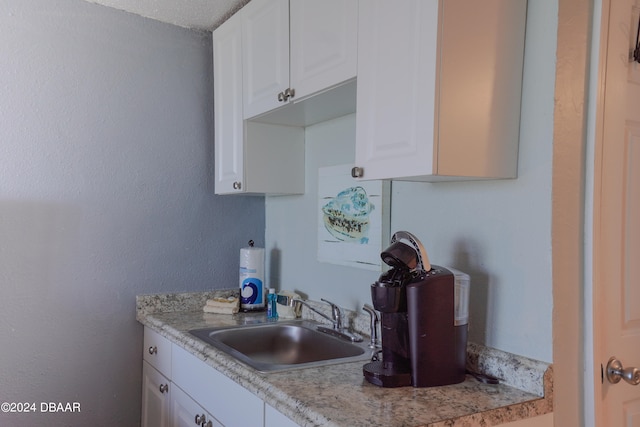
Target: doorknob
(615, 372)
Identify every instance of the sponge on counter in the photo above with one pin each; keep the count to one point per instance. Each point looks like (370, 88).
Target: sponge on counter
(222, 305)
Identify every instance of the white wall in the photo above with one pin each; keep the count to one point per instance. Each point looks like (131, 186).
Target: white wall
(497, 231)
(106, 192)
(292, 229)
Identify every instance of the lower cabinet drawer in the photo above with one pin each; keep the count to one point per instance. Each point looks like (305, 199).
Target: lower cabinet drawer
(185, 412)
(227, 401)
(274, 418)
(157, 351)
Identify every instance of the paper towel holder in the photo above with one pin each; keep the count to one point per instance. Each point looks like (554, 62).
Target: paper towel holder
(251, 283)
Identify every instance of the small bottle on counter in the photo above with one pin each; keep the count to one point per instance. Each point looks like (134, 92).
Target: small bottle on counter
(272, 311)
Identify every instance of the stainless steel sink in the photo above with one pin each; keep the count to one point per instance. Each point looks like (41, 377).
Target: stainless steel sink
(280, 346)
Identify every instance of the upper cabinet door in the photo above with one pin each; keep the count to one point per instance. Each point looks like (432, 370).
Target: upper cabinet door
(265, 39)
(397, 61)
(439, 86)
(227, 104)
(324, 42)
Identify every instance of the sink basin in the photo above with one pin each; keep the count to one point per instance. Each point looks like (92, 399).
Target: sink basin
(280, 346)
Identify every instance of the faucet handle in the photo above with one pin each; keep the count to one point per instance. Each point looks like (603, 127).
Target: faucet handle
(335, 313)
(375, 342)
(369, 309)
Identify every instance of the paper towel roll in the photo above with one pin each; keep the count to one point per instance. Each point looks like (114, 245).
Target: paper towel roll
(252, 288)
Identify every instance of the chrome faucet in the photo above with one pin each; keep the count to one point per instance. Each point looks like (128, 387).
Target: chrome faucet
(336, 314)
(335, 319)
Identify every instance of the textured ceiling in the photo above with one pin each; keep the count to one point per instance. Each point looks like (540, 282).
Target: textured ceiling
(196, 14)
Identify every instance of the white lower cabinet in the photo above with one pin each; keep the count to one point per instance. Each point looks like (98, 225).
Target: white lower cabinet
(185, 412)
(274, 418)
(180, 390)
(156, 397)
(228, 402)
(156, 380)
(157, 351)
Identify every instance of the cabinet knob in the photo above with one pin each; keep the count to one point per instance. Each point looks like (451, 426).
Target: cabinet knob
(237, 185)
(289, 93)
(164, 388)
(201, 420)
(357, 172)
(153, 350)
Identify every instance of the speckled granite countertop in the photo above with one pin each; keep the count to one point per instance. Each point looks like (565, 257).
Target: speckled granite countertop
(338, 395)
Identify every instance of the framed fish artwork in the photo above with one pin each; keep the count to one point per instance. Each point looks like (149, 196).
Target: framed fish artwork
(353, 219)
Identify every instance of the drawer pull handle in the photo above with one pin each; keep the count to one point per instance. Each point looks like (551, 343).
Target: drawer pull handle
(164, 388)
(153, 350)
(201, 420)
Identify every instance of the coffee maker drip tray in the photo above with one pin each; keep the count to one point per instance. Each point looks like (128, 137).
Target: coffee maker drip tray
(376, 373)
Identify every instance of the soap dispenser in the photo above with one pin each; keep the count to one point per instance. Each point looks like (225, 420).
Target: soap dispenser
(272, 311)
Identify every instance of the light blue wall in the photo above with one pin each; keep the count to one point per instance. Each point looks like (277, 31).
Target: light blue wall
(106, 192)
(497, 231)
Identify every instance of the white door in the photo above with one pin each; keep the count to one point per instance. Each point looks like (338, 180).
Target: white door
(227, 107)
(397, 51)
(185, 412)
(324, 39)
(155, 397)
(265, 54)
(617, 217)
(273, 418)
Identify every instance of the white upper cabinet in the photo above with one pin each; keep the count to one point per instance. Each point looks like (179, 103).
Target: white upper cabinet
(293, 49)
(250, 158)
(265, 54)
(438, 91)
(324, 43)
(227, 106)
(259, 123)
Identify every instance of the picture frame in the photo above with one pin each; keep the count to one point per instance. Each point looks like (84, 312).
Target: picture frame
(353, 218)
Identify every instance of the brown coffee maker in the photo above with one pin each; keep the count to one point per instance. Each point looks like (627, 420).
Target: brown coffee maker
(424, 318)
